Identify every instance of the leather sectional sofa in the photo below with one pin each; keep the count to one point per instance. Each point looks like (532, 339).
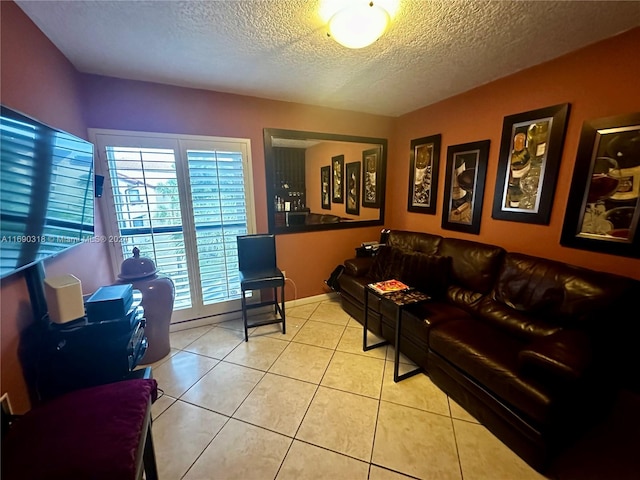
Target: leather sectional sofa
(534, 349)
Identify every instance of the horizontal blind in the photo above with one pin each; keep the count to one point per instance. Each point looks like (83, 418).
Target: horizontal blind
(219, 214)
(147, 204)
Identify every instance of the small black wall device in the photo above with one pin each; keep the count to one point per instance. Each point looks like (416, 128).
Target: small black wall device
(99, 185)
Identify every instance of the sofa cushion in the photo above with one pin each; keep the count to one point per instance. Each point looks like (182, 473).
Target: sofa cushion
(386, 264)
(414, 241)
(419, 319)
(565, 355)
(524, 325)
(475, 265)
(556, 292)
(528, 285)
(490, 357)
(427, 273)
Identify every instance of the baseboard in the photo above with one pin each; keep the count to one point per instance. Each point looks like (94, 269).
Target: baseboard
(206, 321)
(237, 314)
(315, 299)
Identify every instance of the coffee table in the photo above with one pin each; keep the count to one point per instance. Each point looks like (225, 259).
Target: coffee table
(400, 300)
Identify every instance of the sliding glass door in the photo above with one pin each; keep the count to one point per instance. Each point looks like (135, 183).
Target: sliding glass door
(182, 200)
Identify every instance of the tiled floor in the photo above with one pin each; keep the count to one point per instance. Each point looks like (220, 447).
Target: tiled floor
(312, 405)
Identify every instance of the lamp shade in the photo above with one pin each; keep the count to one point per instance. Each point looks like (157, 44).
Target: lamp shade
(358, 25)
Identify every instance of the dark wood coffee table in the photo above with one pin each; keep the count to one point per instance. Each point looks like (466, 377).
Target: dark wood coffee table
(400, 300)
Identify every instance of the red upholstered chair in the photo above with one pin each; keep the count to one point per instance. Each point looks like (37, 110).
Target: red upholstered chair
(98, 433)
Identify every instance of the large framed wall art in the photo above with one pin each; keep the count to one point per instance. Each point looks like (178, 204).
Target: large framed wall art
(423, 174)
(464, 186)
(530, 153)
(337, 185)
(371, 181)
(603, 211)
(353, 188)
(325, 187)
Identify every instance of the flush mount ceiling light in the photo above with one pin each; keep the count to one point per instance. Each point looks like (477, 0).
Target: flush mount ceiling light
(357, 23)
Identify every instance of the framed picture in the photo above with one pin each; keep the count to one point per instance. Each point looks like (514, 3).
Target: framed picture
(464, 186)
(371, 177)
(530, 152)
(423, 174)
(337, 185)
(603, 211)
(325, 187)
(353, 188)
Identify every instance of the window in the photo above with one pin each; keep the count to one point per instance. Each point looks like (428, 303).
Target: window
(182, 200)
(133, 195)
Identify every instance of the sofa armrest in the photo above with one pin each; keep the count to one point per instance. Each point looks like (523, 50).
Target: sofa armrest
(565, 354)
(358, 267)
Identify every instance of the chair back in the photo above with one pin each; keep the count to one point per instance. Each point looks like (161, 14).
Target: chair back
(256, 252)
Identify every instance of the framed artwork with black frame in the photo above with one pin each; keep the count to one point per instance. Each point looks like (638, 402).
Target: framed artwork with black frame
(530, 153)
(353, 188)
(371, 166)
(464, 186)
(423, 174)
(603, 210)
(337, 184)
(325, 187)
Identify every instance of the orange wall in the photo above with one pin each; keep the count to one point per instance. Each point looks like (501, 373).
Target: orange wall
(598, 81)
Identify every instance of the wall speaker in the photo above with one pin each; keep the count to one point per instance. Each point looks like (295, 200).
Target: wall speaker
(99, 180)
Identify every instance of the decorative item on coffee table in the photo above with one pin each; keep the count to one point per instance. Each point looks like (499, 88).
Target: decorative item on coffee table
(407, 297)
(388, 286)
(401, 296)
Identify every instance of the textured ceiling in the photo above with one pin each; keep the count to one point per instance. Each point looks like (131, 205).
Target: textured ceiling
(278, 49)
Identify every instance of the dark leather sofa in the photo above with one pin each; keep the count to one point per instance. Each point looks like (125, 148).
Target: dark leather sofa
(532, 348)
(308, 218)
(317, 218)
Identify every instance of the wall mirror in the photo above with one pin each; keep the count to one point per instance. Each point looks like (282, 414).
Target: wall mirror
(323, 181)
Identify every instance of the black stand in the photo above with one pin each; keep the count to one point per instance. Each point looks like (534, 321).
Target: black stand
(366, 347)
(400, 300)
(34, 277)
(396, 359)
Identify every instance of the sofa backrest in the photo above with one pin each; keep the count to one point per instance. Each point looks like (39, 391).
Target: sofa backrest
(414, 241)
(474, 265)
(534, 296)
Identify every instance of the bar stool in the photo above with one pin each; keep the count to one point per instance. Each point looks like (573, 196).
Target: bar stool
(258, 270)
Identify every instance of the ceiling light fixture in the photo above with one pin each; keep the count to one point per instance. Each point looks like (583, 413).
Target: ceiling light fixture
(358, 23)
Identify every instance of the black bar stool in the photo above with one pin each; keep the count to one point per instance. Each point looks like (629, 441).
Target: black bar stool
(258, 270)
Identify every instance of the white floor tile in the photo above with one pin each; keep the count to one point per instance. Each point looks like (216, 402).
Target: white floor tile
(180, 435)
(241, 451)
(312, 405)
(223, 388)
(342, 422)
(181, 371)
